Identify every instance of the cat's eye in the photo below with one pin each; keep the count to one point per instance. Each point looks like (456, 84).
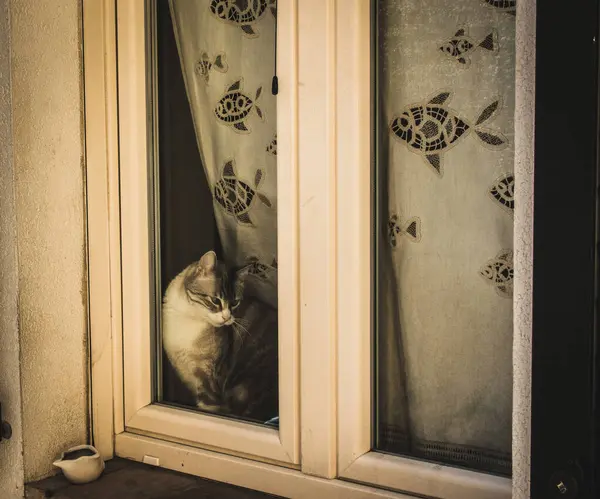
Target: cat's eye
(235, 303)
(213, 300)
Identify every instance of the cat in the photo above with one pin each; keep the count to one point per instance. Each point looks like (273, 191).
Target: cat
(222, 345)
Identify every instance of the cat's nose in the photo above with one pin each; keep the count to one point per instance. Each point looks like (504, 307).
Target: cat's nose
(226, 314)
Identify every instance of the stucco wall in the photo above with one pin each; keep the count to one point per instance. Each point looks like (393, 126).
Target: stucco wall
(11, 460)
(524, 164)
(48, 167)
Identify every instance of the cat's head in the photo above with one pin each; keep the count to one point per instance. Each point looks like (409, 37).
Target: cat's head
(213, 291)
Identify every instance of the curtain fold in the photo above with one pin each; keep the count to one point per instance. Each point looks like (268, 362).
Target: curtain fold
(226, 49)
(446, 81)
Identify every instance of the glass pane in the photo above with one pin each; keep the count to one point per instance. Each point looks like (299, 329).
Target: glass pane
(444, 102)
(216, 206)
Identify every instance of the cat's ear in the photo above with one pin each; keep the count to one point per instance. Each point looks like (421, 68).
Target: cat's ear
(208, 261)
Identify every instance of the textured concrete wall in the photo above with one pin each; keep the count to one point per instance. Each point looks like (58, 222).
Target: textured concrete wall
(524, 162)
(11, 460)
(49, 188)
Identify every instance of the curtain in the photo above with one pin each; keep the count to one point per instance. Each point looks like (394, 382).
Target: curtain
(226, 49)
(446, 84)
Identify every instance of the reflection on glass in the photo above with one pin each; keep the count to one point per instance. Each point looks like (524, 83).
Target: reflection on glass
(217, 206)
(444, 85)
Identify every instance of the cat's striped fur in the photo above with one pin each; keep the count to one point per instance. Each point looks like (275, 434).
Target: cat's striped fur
(222, 345)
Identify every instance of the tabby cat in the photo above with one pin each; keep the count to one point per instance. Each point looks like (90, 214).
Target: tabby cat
(222, 345)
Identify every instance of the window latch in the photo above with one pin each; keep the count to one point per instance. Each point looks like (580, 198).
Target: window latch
(565, 483)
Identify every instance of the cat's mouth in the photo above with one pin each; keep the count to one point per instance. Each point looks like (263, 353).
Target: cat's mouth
(222, 322)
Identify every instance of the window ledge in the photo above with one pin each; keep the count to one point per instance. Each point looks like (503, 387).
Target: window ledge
(130, 480)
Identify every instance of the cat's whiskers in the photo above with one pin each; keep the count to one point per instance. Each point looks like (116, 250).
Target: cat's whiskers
(236, 331)
(243, 322)
(241, 325)
(240, 329)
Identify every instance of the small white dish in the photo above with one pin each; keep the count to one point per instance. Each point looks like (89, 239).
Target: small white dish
(81, 464)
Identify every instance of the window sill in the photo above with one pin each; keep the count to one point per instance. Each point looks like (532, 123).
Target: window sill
(131, 480)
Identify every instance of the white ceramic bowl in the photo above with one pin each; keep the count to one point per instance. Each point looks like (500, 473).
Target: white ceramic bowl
(82, 469)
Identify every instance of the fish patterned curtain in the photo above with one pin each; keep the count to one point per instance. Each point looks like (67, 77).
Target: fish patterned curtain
(227, 48)
(446, 84)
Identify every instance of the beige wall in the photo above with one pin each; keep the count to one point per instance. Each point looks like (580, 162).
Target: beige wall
(11, 460)
(43, 298)
(49, 192)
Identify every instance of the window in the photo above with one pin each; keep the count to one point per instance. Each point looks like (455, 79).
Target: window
(444, 112)
(202, 193)
(367, 210)
(217, 190)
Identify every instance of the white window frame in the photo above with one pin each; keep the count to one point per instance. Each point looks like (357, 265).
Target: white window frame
(324, 191)
(139, 414)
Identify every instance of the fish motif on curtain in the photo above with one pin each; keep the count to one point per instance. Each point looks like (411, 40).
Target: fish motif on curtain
(205, 64)
(508, 6)
(272, 146)
(259, 269)
(410, 228)
(499, 272)
(237, 197)
(234, 107)
(460, 46)
(503, 191)
(430, 128)
(243, 13)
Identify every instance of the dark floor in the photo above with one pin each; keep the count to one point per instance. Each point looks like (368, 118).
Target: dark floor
(130, 480)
